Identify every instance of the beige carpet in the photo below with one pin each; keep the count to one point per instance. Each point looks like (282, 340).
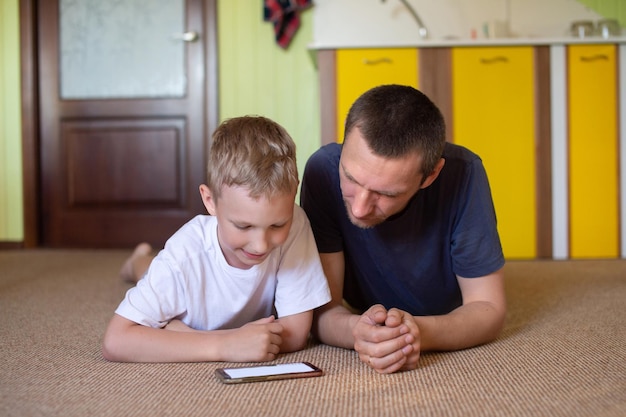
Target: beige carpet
(562, 354)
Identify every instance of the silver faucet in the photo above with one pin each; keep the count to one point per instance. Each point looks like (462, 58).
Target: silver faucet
(423, 32)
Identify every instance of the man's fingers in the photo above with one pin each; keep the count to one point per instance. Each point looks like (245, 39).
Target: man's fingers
(394, 317)
(375, 315)
(377, 334)
(388, 364)
(384, 348)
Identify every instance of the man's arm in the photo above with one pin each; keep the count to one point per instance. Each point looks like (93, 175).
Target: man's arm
(335, 325)
(332, 322)
(478, 320)
(393, 340)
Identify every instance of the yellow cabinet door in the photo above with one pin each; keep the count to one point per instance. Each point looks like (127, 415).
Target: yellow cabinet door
(593, 151)
(358, 70)
(493, 114)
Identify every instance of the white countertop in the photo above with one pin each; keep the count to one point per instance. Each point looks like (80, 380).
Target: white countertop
(435, 43)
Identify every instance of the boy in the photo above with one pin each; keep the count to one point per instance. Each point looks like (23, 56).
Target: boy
(209, 294)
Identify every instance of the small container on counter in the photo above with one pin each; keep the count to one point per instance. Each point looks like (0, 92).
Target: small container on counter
(607, 28)
(582, 28)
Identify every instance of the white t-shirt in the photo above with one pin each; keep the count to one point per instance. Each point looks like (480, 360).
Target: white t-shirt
(190, 280)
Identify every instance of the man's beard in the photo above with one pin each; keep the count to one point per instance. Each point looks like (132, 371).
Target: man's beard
(367, 224)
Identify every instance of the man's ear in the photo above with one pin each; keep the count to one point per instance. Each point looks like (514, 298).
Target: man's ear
(208, 199)
(433, 176)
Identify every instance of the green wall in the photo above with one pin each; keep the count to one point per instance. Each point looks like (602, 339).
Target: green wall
(615, 9)
(256, 77)
(11, 208)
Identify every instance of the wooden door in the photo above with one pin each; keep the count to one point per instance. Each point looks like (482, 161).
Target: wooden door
(118, 170)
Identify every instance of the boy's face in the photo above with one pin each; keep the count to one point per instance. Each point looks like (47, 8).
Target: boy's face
(248, 229)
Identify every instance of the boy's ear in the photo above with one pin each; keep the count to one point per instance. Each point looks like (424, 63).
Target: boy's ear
(207, 199)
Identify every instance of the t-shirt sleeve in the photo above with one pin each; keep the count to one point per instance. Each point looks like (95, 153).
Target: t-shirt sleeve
(301, 283)
(156, 299)
(476, 248)
(319, 198)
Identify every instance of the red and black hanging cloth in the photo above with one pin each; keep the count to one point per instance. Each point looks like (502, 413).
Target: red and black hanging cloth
(285, 16)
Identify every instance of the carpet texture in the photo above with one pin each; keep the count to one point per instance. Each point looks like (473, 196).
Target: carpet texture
(562, 353)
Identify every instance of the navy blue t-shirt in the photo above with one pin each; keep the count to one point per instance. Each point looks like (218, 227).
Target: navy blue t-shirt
(411, 260)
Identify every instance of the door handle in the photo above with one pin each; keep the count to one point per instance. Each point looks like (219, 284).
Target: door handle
(187, 36)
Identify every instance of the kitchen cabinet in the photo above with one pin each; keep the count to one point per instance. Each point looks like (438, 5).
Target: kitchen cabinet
(593, 151)
(544, 122)
(358, 70)
(493, 111)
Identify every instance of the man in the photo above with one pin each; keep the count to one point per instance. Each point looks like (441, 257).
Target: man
(406, 230)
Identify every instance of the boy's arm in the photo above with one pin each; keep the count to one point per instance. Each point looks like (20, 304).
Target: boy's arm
(296, 329)
(127, 341)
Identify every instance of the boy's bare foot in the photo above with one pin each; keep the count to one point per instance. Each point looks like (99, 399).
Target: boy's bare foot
(137, 260)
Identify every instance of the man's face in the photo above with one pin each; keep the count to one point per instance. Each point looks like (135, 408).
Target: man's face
(374, 187)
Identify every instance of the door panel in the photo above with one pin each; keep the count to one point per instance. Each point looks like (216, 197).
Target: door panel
(119, 166)
(116, 162)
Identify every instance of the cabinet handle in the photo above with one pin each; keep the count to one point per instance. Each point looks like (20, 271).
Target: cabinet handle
(494, 60)
(377, 61)
(592, 58)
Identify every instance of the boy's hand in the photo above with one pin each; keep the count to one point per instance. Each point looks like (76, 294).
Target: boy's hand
(257, 341)
(387, 340)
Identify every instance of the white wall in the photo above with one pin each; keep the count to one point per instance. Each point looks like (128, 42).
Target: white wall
(389, 22)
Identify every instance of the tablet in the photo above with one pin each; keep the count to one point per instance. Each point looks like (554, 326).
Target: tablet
(268, 372)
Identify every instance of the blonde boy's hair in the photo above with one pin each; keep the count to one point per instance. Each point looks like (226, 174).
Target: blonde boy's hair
(252, 152)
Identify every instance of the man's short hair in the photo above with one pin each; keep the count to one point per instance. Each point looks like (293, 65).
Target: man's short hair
(396, 120)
